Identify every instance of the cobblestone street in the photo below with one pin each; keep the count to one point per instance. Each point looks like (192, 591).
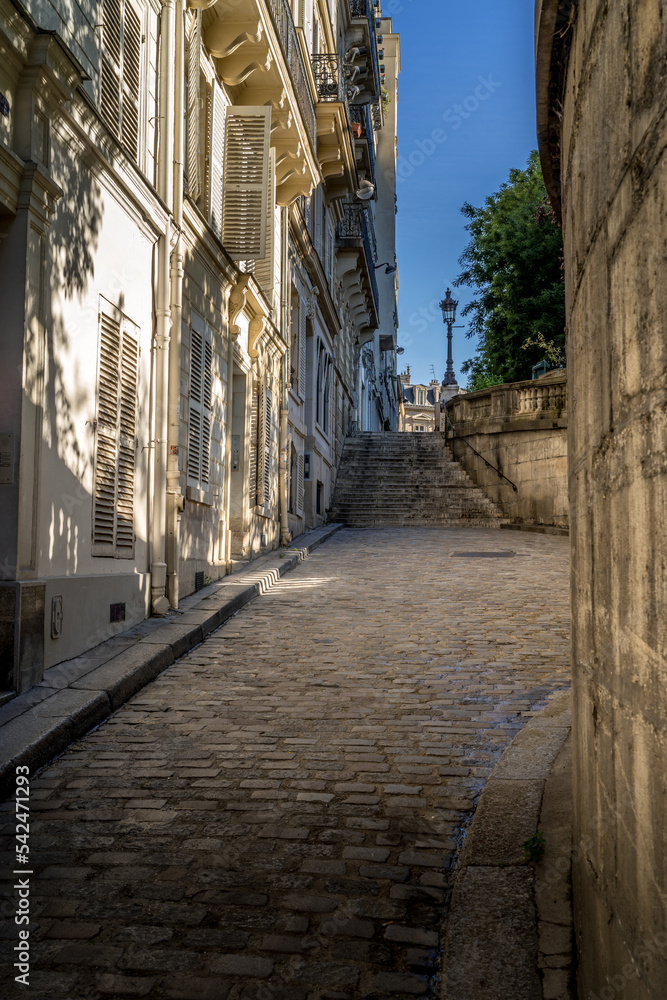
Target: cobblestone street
(278, 814)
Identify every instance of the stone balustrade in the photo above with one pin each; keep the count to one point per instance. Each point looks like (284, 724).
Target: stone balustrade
(521, 429)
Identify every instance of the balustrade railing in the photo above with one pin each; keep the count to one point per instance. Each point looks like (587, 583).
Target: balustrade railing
(545, 396)
(329, 77)
(284, 24)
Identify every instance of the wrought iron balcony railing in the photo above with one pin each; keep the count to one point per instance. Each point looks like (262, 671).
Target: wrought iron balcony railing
(357, 225)
(363, 8)
(361, 113)
(329, 77)
(282, 18)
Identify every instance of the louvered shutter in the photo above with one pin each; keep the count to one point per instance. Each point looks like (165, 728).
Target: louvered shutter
(331, 251)
(192, 110)
(130, 79)
(264, 269)
(195, 424)
(111, 50)
(299, 486)
(266, 462)
(115, 445)
(218, 110)
(201, 392)
(302, 350)
(246, 178)
(129, 375)
(254, 424)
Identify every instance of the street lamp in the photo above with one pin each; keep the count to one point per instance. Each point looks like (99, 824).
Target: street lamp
(448, 306)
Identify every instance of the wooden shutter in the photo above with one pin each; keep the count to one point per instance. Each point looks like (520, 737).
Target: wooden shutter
(331, 253)
(299, 486)
(111, 52)
(129, 375)
(201, 389)
(264, 269)
(115, 444)
(302, 350)
(218, 109)
(246, 178)
(192, 109)
(266, 462)
(130, 79)
(121, 71)
(254, 446)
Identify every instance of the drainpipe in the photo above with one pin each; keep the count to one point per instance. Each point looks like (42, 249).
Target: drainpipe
(228, 443)
(159, 600)
(285, 536)
(174, 498)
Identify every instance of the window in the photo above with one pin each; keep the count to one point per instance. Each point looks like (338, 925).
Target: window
(201, 390)
(421, 397)
(115, 434)
(121, 71)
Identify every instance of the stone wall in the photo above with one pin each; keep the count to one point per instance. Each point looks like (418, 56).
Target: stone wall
(521, 429)
(609, 178)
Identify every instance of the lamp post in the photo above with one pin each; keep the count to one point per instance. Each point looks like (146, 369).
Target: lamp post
(448, 306)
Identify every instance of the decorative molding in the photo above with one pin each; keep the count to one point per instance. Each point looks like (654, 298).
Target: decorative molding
(237, 301)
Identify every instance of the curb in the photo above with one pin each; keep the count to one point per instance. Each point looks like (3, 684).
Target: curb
(491, 941)
(41, 723)
(541, 529)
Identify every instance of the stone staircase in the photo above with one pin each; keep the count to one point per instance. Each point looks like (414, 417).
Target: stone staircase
(406, 479)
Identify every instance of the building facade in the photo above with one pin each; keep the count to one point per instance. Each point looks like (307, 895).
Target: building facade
(419, 402)
(603, 134)
(188, 269)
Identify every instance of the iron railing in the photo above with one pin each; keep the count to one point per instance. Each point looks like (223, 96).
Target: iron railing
(361, 114)
(329, 77)
(363, 8)
(284, 24)
(357, 224)
(488, 464)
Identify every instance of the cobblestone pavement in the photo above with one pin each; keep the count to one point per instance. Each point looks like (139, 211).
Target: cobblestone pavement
(278, 814)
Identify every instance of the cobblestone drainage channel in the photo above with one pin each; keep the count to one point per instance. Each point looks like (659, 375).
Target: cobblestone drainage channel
(507, 554)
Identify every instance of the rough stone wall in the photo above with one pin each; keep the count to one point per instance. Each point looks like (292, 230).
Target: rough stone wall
(529, 446)
(614, 201)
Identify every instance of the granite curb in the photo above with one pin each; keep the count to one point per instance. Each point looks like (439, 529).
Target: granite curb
(77, 695)
(494, 941)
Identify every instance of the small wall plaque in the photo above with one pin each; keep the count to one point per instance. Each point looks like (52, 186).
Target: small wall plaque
(117, 613)
(4, 106)
(7, 459)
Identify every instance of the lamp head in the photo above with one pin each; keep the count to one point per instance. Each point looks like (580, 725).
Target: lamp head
(448, 306)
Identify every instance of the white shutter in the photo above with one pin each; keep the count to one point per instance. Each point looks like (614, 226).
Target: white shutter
(192, 109)
(246, 178)
(331, 252)
(115, 444)
(264, 269)
(201, 393)
(317, 234)
(129, 374)
(131, 78)
(121, 71)
(302, 349)
(266, 465)
(217, 140)
(254, 446)
(195, 423)
(111, 50)
(299, 486)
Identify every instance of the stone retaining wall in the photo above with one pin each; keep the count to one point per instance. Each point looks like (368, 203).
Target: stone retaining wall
(521, 429)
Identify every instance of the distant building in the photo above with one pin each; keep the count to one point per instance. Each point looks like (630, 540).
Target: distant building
(419, 404)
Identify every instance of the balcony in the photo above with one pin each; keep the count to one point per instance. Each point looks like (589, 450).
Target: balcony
(284, 25)
(362, 11)
(355, 232)
(329, 77)
(361, 115)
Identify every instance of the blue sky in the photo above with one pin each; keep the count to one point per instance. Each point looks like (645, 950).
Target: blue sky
(477, 55)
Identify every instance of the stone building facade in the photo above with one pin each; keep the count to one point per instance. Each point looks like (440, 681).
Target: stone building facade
(419, 402)
(603, 135)
(188, 278)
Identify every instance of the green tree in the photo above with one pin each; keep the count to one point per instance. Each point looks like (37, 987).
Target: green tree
(514, 264)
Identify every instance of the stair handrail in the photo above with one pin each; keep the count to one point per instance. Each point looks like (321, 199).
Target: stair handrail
(488, 464)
